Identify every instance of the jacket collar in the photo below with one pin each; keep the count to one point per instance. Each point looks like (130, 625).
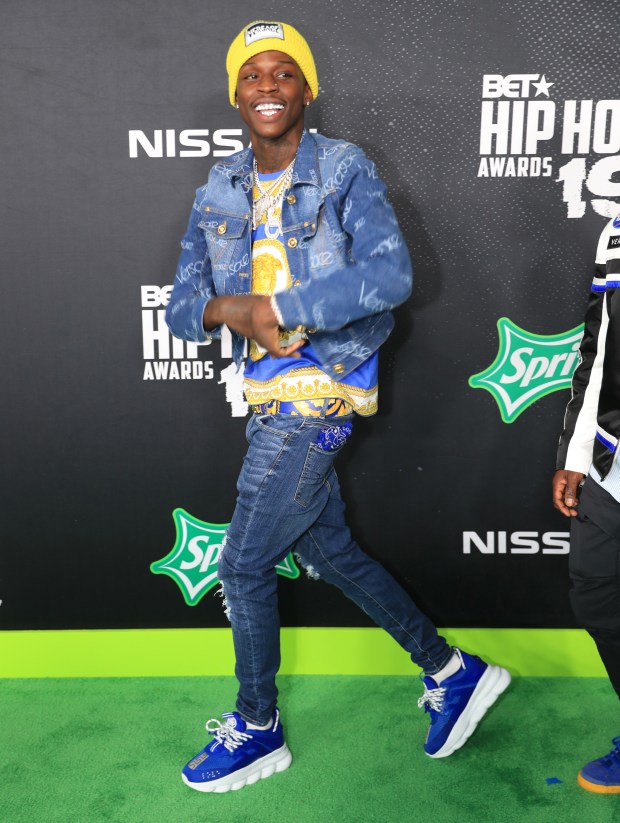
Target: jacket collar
(305, 170)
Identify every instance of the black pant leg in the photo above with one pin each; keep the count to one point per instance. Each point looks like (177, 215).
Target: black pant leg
(595, 573)
(609, 650)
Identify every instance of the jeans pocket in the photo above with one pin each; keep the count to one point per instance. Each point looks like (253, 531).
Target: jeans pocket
(319, 461)
(317, 467)
(268, 422)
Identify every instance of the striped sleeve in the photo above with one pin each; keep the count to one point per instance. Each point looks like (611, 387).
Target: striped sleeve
(577, 439)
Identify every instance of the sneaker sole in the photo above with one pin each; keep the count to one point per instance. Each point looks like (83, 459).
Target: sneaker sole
(271, 763)
(493, 682)
(597, 788)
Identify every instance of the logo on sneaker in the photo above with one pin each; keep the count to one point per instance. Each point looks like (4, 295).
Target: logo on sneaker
(527, 367)
(193, 764)
(192, 562)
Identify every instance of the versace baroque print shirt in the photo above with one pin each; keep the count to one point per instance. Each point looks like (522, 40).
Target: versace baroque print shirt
(299, 380)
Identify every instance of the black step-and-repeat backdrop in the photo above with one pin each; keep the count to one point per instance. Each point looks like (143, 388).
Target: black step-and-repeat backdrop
(497, 129)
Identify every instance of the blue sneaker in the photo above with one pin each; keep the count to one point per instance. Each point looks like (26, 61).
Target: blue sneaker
(238, 756)
(460, 702)
(602, 775)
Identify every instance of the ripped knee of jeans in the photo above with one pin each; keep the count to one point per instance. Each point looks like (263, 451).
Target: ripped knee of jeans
(222, 593)
(311, 572)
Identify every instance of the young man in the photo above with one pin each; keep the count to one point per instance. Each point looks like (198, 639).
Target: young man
(293, 245)
(588, 476)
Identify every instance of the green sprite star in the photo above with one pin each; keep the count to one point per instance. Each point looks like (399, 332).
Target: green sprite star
(528, 366)
(192, 562)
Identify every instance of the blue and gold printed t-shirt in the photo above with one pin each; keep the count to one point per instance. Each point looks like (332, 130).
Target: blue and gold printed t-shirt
(298, 380)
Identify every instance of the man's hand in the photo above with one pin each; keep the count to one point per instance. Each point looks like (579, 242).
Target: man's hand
(265, 330)
(565, 495)
(252, 316)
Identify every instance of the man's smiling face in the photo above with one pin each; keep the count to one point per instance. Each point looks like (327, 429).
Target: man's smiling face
(272, 93)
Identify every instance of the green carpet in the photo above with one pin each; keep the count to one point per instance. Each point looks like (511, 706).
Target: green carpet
(91, 750)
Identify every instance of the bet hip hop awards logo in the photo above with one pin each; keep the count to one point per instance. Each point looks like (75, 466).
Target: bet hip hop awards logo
(522, 130)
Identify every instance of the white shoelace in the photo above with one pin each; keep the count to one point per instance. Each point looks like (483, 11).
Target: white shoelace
(434, 698)
(224, 733)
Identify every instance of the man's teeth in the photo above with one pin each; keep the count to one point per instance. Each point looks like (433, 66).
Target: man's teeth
(269, 108)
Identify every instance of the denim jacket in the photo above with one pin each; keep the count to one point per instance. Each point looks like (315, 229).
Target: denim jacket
(346, 254)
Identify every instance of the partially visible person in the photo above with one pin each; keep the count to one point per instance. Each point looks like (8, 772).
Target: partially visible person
(586, 485)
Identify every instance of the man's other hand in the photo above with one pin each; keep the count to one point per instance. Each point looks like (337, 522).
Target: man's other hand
(566, 491)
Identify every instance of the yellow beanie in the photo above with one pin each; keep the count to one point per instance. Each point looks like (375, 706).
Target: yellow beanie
(264, 36)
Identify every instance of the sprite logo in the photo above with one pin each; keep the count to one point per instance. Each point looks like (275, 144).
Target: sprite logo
(192, 561)
(527, 367)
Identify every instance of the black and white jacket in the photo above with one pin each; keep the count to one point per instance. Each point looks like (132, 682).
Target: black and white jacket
(592, 422)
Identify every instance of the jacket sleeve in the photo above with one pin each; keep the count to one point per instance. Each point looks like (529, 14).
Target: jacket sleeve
(379, 276)
(577, 439)
(193, 284)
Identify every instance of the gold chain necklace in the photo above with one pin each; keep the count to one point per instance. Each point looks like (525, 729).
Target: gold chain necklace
(268, 204)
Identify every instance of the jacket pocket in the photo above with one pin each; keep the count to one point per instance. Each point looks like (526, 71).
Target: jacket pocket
(328, 245)
(223, 232)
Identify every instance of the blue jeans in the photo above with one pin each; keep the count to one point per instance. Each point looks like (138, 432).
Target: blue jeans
(289, 499)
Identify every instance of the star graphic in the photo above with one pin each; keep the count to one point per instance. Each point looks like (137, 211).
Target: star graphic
(192, 562)
(527, 367)
(543, 86)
